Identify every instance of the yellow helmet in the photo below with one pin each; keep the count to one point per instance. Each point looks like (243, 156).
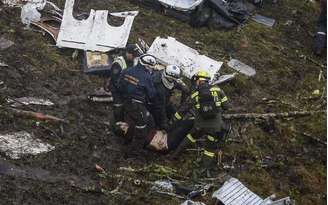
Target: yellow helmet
(202, 75)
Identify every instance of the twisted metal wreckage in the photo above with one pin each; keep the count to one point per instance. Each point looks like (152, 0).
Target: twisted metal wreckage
(95, 36)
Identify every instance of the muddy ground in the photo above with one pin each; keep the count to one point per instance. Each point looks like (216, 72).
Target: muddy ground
(287, 74)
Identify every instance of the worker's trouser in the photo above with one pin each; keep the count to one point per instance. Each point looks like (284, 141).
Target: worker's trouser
(118, 108)
(211, 134)
(137, 116)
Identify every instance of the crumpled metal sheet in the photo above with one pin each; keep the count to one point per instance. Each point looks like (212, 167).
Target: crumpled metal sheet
(5, 43)
(233, 192)
(30, 11)
(241, 67)
(169, 51)
(269, 22)
(18, 144)
(162, 185)
(30, 101)
(181, 5)
(12, 3)
(45, 26)
(94, 33)
(189, 202)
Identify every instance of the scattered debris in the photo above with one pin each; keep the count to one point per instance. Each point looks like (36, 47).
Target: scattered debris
(18, 144)
(241, 67)
(189, 202)
(13, 3)
(37, 115)
(264, 20)
(233, 192)
(163, 185)
(224, 78)
(182, 5)
(44, 25)
(97, 63)
(29, 101)
(30, 11)
(271, 115)
(2, 64)
(214, 13)
(94, 33)
(4, 43)
(169, 51)
(316, 92)
(101, 95)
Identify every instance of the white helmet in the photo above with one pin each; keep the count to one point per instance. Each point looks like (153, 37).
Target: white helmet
(172, 71)
(147, 60)
(170, 74)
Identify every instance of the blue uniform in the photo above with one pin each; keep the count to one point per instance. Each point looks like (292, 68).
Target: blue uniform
(136, 83)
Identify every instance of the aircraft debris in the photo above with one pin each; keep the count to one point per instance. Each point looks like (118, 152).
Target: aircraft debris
(233, 192)
(162, 185)
(216, 13)
(30, 11)
(18, 144)
(4, 43)
(169, 51)
(2, 64)
(269, 22)
(224, 78)
(29, 101)
(189, 202)
(37, 115)
(12, 3)
(241, 67)
(97, 63)
(182, 5)
(44, 24)
(94, 33)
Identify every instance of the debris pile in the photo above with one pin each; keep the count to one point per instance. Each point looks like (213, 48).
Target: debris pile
(19, 144)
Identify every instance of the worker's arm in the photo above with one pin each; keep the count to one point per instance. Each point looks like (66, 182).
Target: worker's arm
(225, 104)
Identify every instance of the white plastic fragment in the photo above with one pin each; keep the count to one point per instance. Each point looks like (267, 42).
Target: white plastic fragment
(182, 5)
(5, 43)
(29, 101)
(169, 51)
(162, 185)
(94, 33)
(12, 3)
(241, 67)
(190, 202)
(2, 64)
(30, 11)
(224, 78)
(233, 192)
(269, 22)
(18, 144)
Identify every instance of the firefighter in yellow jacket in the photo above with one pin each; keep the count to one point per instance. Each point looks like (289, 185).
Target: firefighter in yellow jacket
(208, 101)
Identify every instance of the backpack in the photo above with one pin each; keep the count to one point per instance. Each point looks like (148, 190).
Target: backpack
(207, 106)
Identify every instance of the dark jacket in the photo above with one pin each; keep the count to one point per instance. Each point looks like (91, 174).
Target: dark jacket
(136, 83)
(160, 113)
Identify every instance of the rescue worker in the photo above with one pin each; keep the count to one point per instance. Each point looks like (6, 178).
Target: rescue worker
(137, 89)
(209, 102)
(166, 81)
(321, 35)
(156, 140)
(121, 63)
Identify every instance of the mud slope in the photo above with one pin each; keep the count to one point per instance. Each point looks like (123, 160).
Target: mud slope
(287, 74)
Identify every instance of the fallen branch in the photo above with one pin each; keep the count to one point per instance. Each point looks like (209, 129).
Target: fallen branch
(36, 115)
(270, 115)
(314, 138)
